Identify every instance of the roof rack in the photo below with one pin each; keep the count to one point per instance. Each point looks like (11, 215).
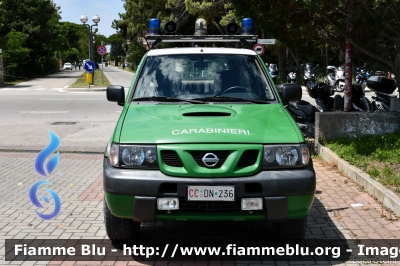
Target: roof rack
(244, 39)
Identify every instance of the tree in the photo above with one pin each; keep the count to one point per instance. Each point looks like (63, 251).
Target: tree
(135, 53)
(138, 13)
(134, 24)
(37, 21)
(313, 29)
(376, 30)
(209, 10)
(117, 50)
(15, 52)
(74, 36)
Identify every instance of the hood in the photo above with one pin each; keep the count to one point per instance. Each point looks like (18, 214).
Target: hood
(208, 123)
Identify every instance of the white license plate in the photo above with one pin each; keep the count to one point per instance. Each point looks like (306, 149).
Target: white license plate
(211, 193)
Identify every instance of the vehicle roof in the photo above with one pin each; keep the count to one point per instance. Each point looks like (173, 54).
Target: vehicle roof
(200, 50)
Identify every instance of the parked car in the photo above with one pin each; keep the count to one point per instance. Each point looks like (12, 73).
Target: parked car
(68, 66)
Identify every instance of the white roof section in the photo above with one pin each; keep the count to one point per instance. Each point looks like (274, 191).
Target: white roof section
(200, 50)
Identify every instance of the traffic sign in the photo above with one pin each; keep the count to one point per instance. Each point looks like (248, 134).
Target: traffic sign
(101, 50)
(259, 49)
(89, 66)
(266, 41)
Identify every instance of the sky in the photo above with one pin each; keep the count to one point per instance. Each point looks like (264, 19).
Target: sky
(107, 10)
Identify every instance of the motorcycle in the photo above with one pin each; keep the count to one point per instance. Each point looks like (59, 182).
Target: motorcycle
(304, 114)
(291, 77)
(335, 78)
(322, 93)
(309, 74)
(382, 87)
(273, 71)
(362, 77)
(301, 111)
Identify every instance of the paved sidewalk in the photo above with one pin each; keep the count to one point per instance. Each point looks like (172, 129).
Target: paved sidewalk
(341, 209)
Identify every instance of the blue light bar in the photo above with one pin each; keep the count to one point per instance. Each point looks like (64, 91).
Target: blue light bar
(154, 26)
(247, 26)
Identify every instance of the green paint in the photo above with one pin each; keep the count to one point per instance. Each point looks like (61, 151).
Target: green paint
(167, 123)
(119, 205)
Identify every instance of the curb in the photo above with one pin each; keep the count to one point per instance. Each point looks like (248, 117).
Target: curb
(372, 187)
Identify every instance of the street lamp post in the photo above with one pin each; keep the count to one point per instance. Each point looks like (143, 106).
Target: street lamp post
(95, 19)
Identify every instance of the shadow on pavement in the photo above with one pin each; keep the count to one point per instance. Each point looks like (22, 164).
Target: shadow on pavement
(322, 234)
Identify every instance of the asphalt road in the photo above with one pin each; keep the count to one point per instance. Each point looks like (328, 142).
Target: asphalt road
(84, 121)
(118, 76)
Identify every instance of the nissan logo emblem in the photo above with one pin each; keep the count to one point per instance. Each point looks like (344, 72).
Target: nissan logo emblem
(210, 159)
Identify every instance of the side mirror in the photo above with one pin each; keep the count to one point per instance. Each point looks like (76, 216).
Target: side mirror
(116, 93)
(289, 92)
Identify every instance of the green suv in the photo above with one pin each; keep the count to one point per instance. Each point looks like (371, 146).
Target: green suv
(204, 135)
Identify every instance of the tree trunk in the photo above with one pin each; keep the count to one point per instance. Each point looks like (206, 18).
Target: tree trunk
(396, 66)
(349, 59)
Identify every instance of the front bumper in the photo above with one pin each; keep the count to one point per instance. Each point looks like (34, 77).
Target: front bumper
(287, 193)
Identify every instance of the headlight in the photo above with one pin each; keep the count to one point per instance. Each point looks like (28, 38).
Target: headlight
(132, 156)
(137, 156)
(286, 156)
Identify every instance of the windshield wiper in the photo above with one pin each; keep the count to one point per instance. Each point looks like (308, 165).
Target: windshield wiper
(166, 99)
(231, 98)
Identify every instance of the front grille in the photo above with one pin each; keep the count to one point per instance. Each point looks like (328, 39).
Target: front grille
(248, 158)
(171, 158)
(198, 156)
(209, 206)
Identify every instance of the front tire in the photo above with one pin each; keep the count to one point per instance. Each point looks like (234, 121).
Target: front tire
(119, 229)
(292, 229)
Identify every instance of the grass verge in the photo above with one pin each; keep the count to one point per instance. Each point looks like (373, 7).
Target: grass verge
(81, 81)
(378, 156)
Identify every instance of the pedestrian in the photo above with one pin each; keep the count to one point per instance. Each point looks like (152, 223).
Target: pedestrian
(79, 65)
(123, 66)
(75, 65)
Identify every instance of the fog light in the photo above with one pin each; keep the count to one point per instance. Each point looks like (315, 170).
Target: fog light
(166, 204)
(251, 204)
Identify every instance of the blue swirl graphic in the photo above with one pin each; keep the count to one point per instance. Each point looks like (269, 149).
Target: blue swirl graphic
(35, 201)
(45, 153)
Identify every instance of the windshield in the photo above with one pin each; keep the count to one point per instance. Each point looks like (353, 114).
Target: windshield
(273, 67)
(310, 68)
(204, 77)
